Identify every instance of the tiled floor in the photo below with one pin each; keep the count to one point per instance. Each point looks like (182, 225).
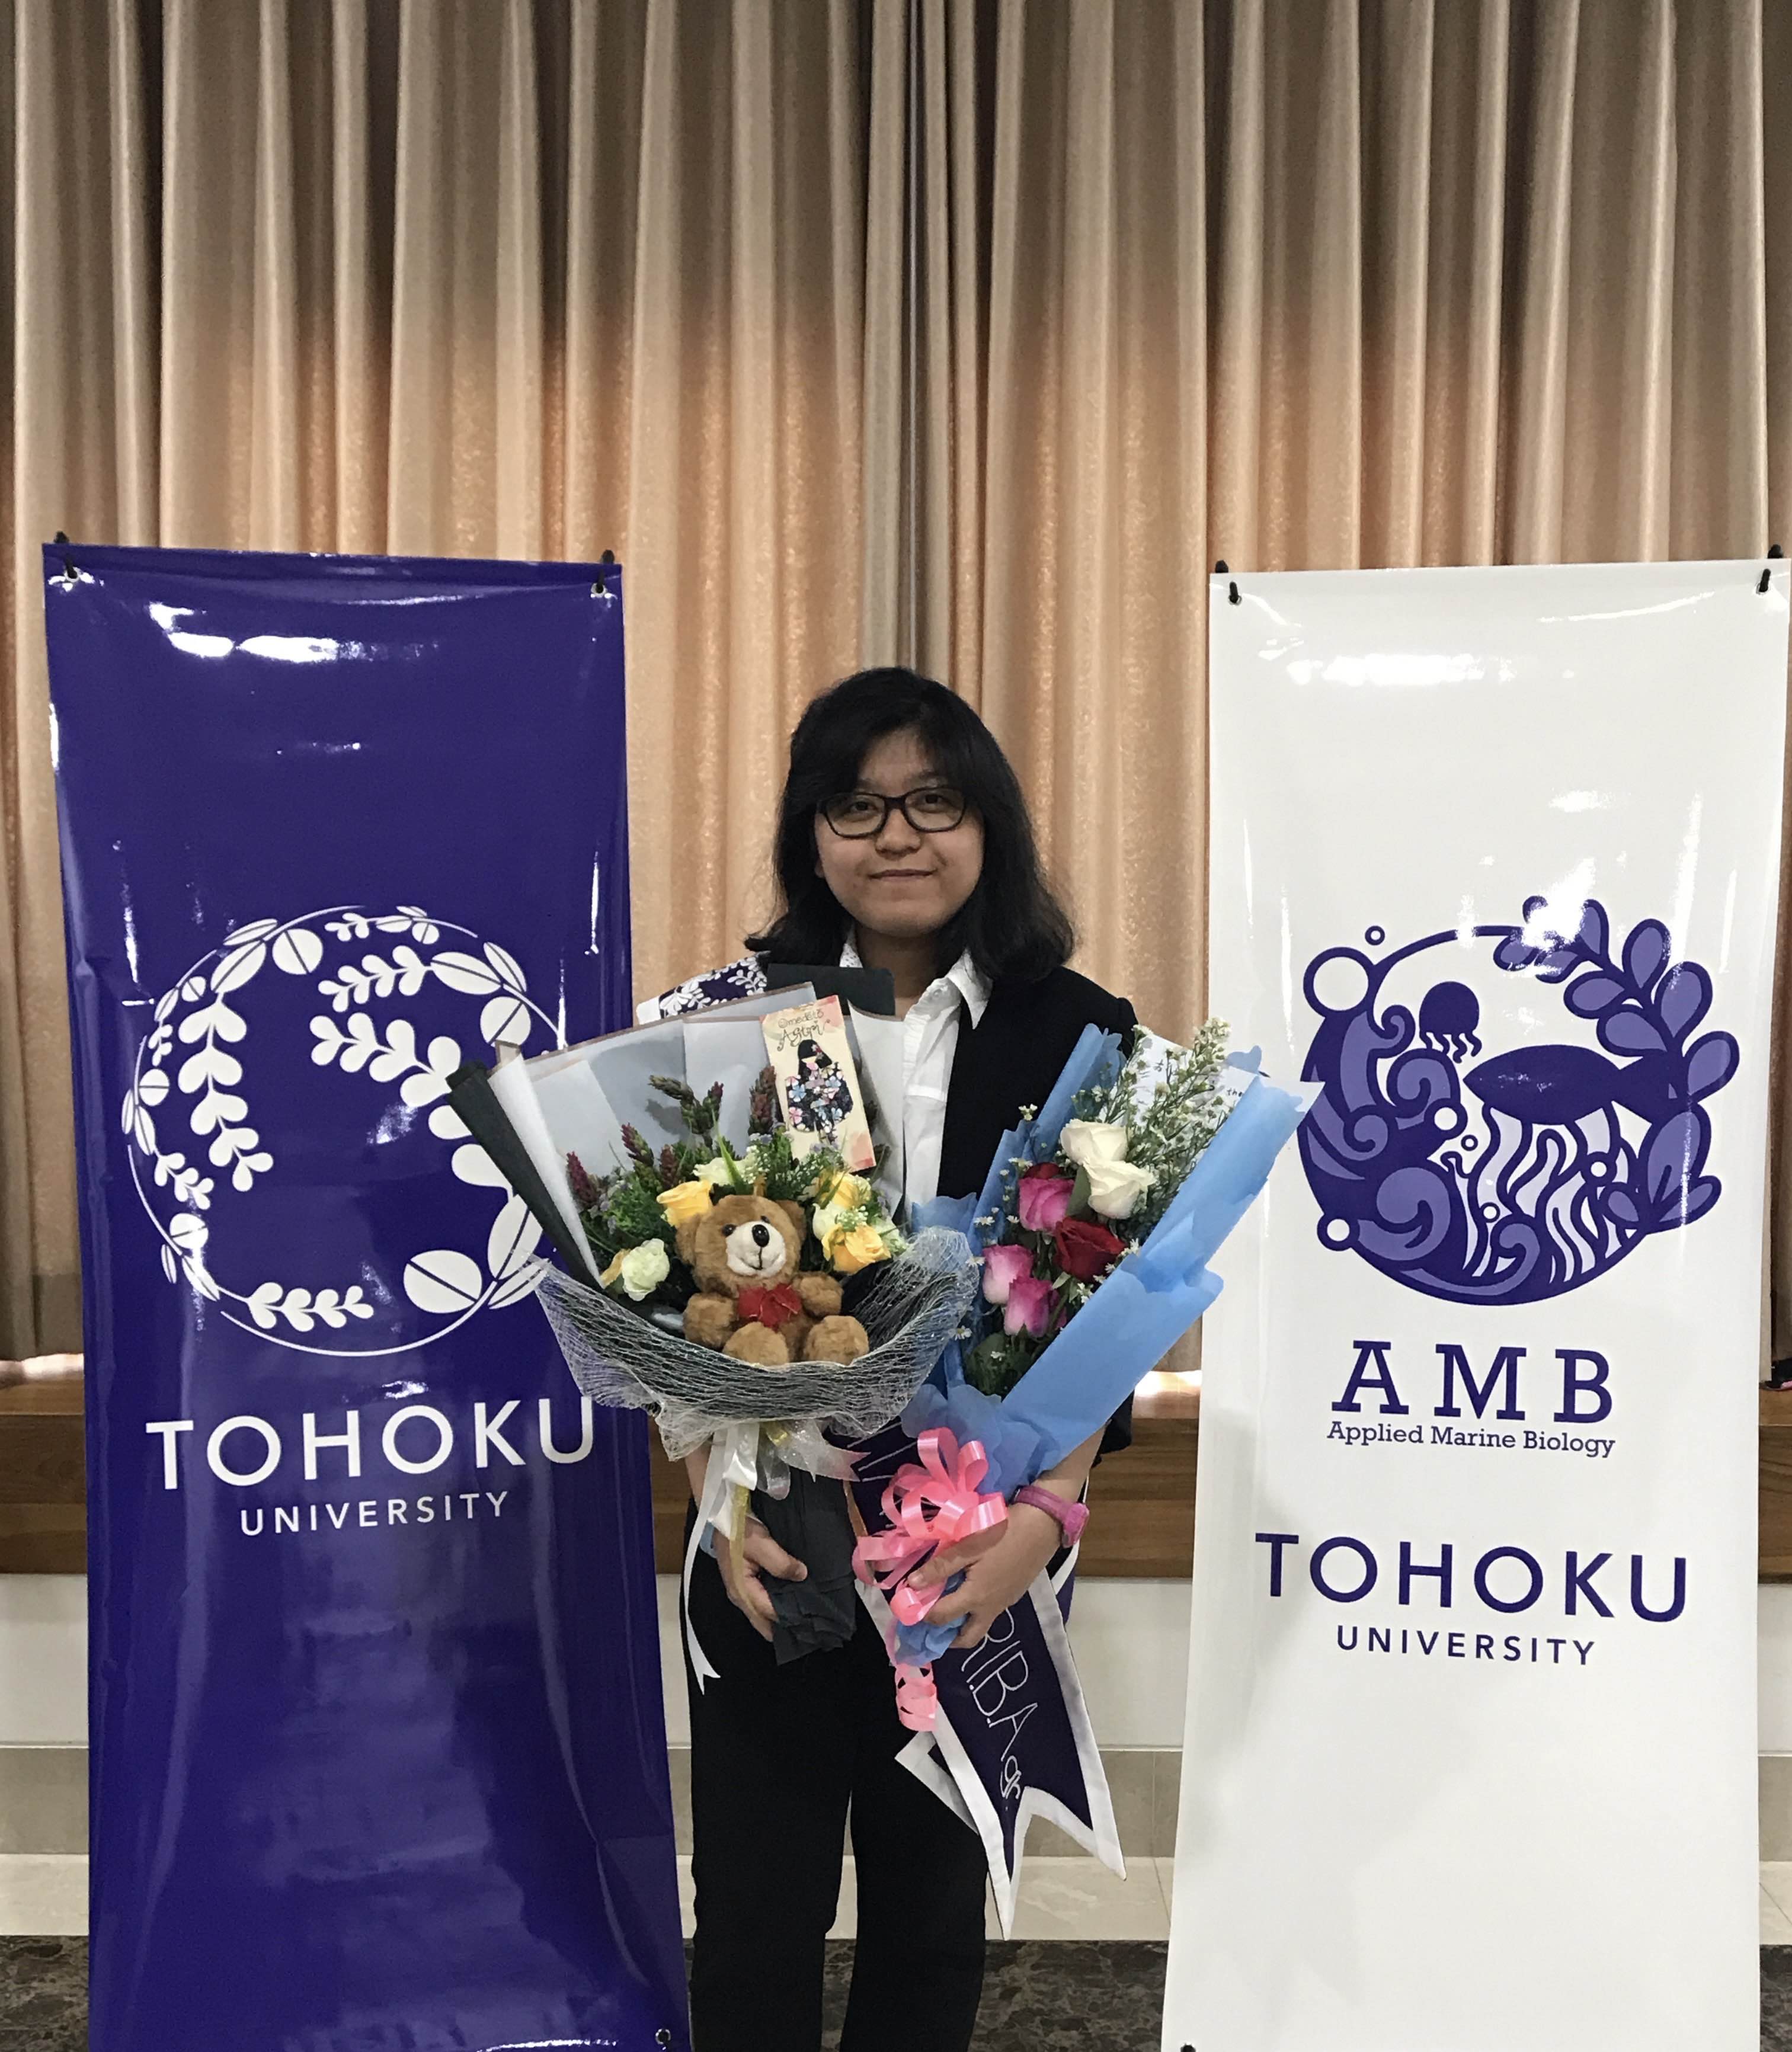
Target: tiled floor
(1036, 1998)
(44, 1895)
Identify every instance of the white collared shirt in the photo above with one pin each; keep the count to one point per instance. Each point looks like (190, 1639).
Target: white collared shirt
(930, 1040)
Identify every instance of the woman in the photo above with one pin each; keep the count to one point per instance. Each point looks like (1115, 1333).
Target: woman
(903, 844)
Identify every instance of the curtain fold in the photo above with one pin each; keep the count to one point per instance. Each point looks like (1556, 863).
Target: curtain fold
(742, 535)
(964, 332)
(80, 441)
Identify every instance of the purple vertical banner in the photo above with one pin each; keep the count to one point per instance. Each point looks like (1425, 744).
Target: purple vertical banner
(379, 1756)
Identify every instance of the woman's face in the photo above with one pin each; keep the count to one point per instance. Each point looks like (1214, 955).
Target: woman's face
(899, 882)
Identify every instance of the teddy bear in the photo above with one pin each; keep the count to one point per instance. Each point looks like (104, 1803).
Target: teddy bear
(753, 1301)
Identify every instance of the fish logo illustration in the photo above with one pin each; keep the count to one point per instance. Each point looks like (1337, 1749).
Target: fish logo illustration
(1509, 1174)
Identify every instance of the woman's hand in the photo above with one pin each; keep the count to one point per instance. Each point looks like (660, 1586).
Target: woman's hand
(744, 1570)
(998, 1567)
(759, 1554)
(1001, 1565)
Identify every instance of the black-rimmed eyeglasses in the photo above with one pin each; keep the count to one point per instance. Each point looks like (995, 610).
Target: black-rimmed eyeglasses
(863, 815)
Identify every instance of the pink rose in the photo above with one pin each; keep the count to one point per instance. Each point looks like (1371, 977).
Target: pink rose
(1044, 1197)
(1003, 1266)
(1029, 1308)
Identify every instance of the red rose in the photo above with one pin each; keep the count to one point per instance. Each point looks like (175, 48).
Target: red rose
(1085, 1249)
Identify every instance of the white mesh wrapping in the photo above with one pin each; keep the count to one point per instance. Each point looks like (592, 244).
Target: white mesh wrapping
(912, 1307)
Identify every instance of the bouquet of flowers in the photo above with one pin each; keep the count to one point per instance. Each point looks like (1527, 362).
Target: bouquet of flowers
(1069, 1217)
(1092, 1233)
(703, 1274)
(632, 1217)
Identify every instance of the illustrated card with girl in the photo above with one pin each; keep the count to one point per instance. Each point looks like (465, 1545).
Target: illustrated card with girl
(823, 1101)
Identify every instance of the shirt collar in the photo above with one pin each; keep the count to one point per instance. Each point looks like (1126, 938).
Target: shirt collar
(964, 977)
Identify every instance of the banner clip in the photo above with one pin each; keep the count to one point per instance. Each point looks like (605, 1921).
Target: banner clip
(1775, 553)
(1232, 589)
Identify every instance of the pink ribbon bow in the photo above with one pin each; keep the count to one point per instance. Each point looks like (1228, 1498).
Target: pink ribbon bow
(930, 1504)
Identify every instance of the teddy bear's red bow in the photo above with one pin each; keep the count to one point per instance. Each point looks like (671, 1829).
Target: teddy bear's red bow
(772, 1306)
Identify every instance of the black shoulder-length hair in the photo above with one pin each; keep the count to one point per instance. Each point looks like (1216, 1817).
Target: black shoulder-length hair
(1011, 924)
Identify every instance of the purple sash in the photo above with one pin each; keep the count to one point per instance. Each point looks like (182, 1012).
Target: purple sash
(1013, 1740)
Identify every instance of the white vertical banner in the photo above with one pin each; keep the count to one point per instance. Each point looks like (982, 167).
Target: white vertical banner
(1470, 1762)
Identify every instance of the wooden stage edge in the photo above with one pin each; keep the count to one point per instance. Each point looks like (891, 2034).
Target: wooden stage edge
(1143, 1501)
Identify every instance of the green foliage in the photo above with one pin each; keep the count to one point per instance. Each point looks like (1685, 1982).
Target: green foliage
(622, 1211)
(994, 1365)
(786, 1177)
(634, 1216)
(1171, 1132)
(701, 1114)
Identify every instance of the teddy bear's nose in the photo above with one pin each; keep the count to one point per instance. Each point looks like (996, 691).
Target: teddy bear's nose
(762, 1235)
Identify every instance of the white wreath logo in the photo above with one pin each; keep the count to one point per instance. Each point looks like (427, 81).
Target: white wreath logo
(185, 1065)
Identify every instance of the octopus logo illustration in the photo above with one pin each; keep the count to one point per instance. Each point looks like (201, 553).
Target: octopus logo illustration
(1465, 1147)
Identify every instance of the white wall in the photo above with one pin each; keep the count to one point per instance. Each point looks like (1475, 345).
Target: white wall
(1775, 1642)
(43, 1659)
(1131, 1641)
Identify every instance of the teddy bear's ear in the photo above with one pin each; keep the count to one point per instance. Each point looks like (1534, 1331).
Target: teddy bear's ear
(793, 1211)
(688, 1241)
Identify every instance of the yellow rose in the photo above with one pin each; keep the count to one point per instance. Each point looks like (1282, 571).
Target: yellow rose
(851, 1251)
(685, 1202)
(847, 1193)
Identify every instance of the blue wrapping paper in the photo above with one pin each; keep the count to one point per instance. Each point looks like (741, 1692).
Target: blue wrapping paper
(1133, 1319)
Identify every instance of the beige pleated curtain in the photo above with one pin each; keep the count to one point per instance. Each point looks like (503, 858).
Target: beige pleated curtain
(965, 332)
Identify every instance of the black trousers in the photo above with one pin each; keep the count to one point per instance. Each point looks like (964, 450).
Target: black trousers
(778, 1754)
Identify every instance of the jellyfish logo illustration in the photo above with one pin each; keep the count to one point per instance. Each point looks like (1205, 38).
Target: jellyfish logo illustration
(1509, 1175)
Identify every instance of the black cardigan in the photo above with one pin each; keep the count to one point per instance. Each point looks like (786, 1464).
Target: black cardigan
(1014, 1057)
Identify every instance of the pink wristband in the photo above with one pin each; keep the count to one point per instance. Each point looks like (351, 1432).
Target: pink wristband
(1071, 1518)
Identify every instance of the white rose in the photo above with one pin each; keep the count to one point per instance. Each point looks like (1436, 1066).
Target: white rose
(1088, 1141)
(715, 1174)
(644, 1268)
(1115, 1187)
